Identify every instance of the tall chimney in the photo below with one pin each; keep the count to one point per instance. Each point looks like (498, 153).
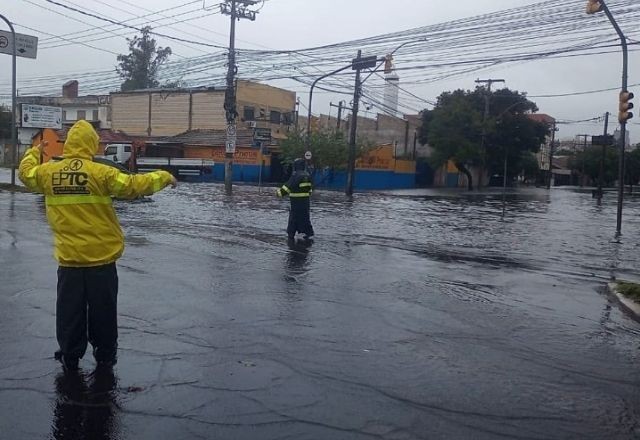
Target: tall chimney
(392, 82)
(70, 89)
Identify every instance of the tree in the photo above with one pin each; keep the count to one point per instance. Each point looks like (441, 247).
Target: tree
(589, 160)
(632, 168)
(139, 68)
(330, 149)
(455, 127)
(528, 166)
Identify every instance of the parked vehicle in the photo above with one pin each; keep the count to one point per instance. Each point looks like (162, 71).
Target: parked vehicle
(122, 154)
(118, 153)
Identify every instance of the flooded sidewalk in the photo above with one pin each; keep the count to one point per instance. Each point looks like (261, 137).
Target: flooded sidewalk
(418, 315)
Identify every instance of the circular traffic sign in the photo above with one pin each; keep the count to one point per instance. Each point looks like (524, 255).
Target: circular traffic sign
(308, 155)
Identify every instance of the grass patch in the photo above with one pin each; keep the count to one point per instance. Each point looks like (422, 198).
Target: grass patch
(630, 290)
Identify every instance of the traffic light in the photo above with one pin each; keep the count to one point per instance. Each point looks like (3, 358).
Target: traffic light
(625, 106)
(594, 6)
(388, 64)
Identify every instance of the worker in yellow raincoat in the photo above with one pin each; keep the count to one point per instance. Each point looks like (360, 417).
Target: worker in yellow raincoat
(87, 238)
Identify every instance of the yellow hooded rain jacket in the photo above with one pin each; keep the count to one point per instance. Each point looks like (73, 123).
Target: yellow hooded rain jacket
(78, 195)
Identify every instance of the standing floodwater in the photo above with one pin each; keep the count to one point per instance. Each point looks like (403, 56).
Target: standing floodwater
(414, 315)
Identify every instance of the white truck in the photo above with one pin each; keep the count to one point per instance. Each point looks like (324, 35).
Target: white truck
(178, 166)
(118, 153)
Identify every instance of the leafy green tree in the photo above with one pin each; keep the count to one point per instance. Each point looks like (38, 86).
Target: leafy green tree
(632, 168)
(329, 149)
(455, 128)
(529, 166)
(139, 69)
(590, 159)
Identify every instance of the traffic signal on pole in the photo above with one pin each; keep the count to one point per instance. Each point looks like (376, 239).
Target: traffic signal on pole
(594, 6)
(625, 106)
(388, 64)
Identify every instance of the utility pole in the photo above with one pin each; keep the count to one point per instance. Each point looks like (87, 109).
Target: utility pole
(551, 151)
(14, 129)
(489, 82)
(351, 167)
(236, 9)
(584, 152)
(603, 157)
(357, 64)
(341, 107)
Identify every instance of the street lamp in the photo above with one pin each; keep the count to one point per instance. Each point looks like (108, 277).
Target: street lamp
(350, 65)
(308, 139)
(359, 83)
(595, 6)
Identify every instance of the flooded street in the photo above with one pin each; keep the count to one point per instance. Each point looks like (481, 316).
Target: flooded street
(414, 315)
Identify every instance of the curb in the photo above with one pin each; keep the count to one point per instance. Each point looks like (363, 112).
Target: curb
(627, 304)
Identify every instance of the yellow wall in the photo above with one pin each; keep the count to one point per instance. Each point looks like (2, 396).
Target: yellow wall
(265, 96)
(246, 156)
(382, 158)
(451, 167)
(171, 111)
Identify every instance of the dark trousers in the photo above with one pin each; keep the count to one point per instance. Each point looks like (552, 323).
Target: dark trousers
(300, 217)
(87, 311)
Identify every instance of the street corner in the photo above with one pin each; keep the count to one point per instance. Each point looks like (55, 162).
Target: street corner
(627, 295)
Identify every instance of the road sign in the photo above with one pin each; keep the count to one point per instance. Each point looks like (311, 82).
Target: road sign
(26, 45)
(262, 134)
(40, 116)
(364, 63)
(231, 131)
(308, 155)
(230, 146)
(602, 140)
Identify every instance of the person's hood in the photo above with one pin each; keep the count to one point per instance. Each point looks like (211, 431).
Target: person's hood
(82, 141)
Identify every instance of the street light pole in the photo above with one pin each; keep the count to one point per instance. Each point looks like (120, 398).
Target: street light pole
(313, 85)
(594, 6)
(357, 64)
(14, 132)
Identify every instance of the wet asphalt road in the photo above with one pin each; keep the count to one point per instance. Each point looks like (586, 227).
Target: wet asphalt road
(414, 315)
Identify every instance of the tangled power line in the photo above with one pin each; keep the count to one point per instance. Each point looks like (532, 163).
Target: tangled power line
(546, 30)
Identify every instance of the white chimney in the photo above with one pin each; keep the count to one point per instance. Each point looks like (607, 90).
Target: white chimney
(392, 81)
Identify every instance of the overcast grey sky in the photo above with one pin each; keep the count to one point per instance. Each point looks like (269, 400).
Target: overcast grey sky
(293, 24)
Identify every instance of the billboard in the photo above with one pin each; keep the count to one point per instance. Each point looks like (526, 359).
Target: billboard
(40, 116)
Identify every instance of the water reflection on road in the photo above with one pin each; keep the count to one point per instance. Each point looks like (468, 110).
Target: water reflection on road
(414, 314)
